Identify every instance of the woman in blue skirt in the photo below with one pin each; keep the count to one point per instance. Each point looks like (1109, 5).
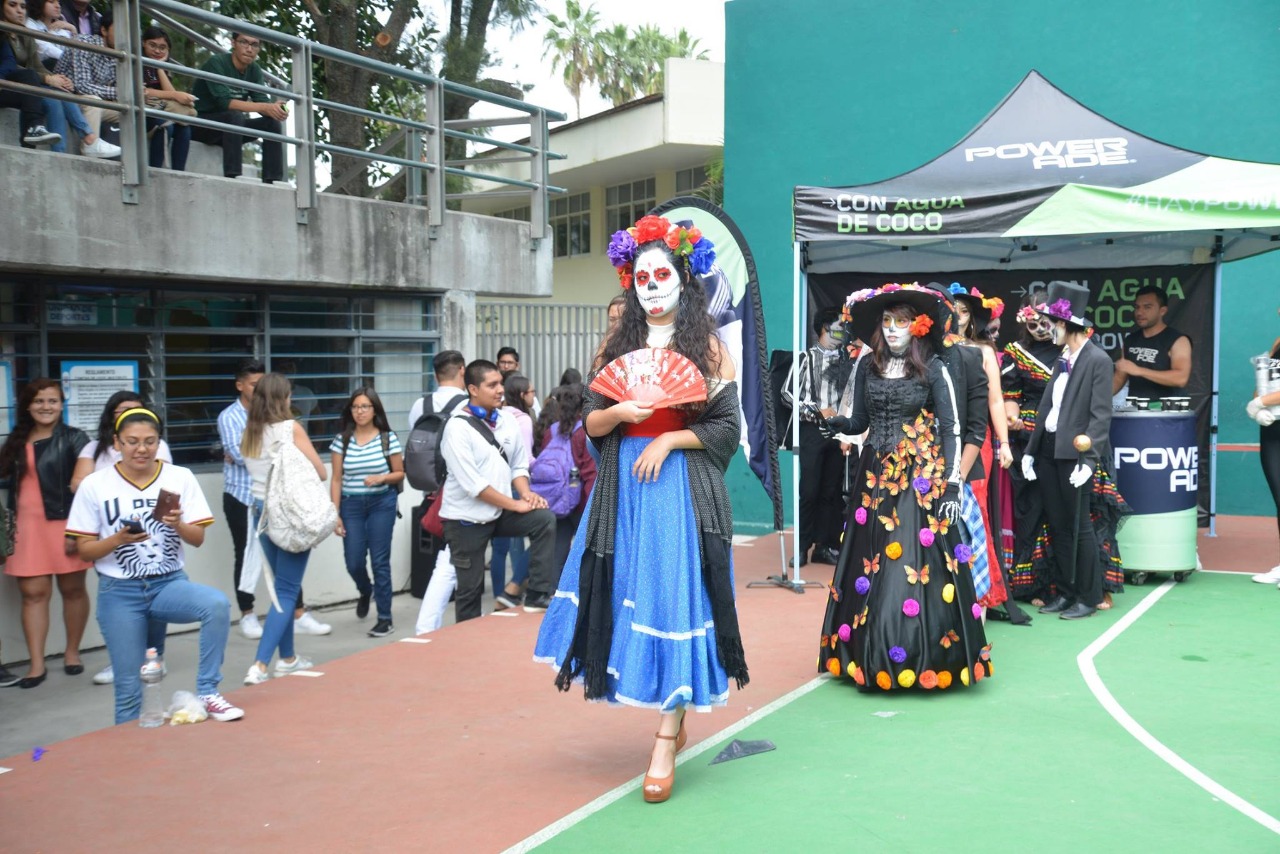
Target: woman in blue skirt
(644, 615)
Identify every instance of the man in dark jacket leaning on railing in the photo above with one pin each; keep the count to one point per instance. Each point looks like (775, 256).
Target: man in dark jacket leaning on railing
(226, 102)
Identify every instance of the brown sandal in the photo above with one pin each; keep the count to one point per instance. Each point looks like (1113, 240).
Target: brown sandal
(664, 784)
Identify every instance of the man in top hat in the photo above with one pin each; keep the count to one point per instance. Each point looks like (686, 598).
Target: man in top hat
(1073, 426)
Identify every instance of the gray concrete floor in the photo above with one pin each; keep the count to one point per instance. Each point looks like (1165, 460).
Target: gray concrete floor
(66, 706)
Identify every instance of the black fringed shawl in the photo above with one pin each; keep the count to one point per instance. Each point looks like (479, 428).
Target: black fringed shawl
(719, 429)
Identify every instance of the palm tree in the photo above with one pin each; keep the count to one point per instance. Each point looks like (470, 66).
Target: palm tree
(610, 64)
(686, 46)
(570, 41)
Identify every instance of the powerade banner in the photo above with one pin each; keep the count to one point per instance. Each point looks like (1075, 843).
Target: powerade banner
(733, 299)
(1189, 289)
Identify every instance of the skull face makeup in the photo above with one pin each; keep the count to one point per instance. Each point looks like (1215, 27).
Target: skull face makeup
(962, 316)
(896, 333)
(657, 283)
(1059, 332)
(1039, 328)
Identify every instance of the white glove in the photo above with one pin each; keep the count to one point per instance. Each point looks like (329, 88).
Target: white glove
(1080, 475)
(1028, 467)
(1253, 407)
(1265, 417)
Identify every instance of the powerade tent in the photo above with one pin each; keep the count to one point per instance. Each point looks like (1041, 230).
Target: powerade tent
(1045, 182)
(1042, 189)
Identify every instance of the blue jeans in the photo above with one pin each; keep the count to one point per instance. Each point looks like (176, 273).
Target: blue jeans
(179, 137)
(369, 520)
(126, 608)
(60, 114)
(498, 562)
(288, 568)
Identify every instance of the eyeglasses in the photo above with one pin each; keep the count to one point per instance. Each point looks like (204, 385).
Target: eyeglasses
(361, 407)
(251, 44)
(134, 444)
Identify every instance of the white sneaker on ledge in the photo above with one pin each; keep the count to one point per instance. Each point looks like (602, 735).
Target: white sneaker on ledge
(250, 627)
(219, 709)
(100, 148)
(105, 676)
(309, 625)
(300, 662)
(1271, 576)
(256, 676)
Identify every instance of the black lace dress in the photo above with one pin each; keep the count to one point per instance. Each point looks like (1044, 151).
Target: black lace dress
(902, 611)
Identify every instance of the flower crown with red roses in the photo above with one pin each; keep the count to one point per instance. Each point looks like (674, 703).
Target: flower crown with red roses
(687, 243)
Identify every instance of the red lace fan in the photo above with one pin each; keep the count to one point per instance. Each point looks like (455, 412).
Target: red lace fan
(654, 377)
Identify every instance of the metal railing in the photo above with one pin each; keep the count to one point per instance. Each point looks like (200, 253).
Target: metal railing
(419, 141)
(549, 337)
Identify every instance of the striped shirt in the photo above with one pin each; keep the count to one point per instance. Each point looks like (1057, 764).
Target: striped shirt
(360, 461)
(823, 374)
(236, 480)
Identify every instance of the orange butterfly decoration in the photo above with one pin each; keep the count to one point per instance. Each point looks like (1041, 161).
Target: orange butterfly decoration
(835, 593)
(892, 486)
(891, 521)
(949, 638)
(833, 640)
(921, 575)
(870, 567)
(953, 565)
(826, 639)
(859, 620)
(939, 526)
(872, 480)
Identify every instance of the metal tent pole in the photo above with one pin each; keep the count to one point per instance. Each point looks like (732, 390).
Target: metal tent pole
(1213, 394)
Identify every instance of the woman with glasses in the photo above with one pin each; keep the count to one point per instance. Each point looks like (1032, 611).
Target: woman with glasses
(162, 95)
(368, 470)
(37, 458)
(134, 520)
(101, 453)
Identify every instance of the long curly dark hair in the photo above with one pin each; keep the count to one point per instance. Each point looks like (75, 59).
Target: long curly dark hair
(107, 421)
(919, 351)
(563, 407)
(694, 326)
(16, 444)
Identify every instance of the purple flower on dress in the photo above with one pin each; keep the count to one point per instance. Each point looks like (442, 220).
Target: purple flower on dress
(862, 585)
(926, 537)
(897, 654)
(1060, 309)
(844, 632)
(977, 611)
(922, 485)
(622, 248)
(911, 608)
(860, 515)
(963, 553)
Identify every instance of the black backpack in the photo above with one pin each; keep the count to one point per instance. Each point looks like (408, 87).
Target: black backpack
(423, 463)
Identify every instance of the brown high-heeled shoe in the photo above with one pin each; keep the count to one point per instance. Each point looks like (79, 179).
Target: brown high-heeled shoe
(664, 784)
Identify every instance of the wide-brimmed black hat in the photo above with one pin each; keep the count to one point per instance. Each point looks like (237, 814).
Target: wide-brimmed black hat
(1066, 301)
(979, 314)
(865, 308)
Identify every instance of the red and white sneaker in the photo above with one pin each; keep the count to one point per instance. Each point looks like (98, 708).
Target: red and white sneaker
(219, 709)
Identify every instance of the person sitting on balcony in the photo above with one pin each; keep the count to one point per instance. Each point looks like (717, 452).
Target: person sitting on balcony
(20, 62)
(162, 95)
(232, 104)
(94, 76)
(45, 16)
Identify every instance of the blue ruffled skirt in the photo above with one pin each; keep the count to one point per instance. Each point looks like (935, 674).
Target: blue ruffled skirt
(663, 654)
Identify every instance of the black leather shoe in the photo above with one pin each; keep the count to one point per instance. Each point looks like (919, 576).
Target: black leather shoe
(1057, 606)
(825, 555)
(1078, 611)
(32, 681)
(804, 559)
(73, 669)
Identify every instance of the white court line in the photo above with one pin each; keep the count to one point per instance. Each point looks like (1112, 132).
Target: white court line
(5, 770)
(1090, 672)
(311, 673)
(510, 612)
(552, 830)
(415, 640)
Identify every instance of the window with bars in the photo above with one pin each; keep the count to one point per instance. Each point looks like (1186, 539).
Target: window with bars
(626, 203)
(691, 181)
(571, 224)
(186, 346)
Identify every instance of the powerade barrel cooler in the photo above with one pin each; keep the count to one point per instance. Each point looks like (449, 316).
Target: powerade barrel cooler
(1156, 461)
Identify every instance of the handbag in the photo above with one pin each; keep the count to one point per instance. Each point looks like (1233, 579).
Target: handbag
(297, 510)
(8, 533)
(431, 521)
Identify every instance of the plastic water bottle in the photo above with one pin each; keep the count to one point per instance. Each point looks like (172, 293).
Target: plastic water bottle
(574, 480)
(152, 694)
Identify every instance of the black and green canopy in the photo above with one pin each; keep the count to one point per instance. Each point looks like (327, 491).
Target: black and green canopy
(1043, 182)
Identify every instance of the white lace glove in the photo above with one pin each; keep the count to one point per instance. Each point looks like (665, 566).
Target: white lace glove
(1265, 417)
(1253, 407)
(1080, 475)
(1028, 467)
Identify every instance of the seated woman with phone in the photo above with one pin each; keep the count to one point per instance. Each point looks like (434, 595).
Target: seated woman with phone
(133, 520)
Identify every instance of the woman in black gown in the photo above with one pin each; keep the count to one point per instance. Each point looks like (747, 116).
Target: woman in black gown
(902, 611)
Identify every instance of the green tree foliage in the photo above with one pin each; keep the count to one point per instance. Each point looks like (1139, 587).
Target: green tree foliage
(570, 42)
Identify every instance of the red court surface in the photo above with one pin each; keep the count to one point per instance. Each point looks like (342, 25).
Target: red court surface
(460, 744)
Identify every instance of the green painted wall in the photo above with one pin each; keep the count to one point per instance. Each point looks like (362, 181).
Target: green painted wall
(848, 92)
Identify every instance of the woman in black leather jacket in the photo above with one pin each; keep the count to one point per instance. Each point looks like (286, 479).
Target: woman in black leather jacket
(38, 459)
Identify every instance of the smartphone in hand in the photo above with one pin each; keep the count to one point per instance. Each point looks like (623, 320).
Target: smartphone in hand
(133, 526)
(166, 503)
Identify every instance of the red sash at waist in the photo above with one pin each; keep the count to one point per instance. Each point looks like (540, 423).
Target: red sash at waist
(661, 421)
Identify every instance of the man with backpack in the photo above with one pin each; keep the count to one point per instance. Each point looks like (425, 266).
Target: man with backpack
(486, 461)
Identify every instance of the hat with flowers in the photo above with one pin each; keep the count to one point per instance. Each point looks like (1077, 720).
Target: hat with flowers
(864, 309)
(686, 242)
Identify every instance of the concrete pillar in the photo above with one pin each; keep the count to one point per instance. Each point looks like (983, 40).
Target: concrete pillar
(458, 324)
